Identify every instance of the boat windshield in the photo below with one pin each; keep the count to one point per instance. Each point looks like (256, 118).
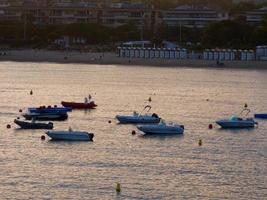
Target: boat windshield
(235, 118)
(135, 113)
(162, 122)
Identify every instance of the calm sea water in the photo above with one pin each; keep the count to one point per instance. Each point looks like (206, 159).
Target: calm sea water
(229, 165)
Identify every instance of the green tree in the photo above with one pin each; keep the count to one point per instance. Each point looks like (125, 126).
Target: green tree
(228, 34)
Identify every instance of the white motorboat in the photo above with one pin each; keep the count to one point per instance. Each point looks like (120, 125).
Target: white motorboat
(238, 122)
(137, 118)
(162, 128)
(70, 135)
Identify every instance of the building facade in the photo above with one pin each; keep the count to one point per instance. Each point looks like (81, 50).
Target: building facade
(255, 17)
(192, 16)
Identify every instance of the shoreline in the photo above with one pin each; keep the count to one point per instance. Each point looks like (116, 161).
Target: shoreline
(110, 58)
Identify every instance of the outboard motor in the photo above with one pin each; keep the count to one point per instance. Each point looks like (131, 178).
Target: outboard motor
(155, 115)
(182, 126)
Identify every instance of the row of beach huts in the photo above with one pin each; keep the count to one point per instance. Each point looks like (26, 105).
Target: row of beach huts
(180, 53)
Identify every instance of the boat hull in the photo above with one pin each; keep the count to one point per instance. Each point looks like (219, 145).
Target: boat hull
(137, 119)
(29, 125)
(261, 116)
(46, 116)
(236, 124)
(70, 136)
(160, 129)
(74, 105)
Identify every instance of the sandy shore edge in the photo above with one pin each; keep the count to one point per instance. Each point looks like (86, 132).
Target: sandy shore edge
(109, 58)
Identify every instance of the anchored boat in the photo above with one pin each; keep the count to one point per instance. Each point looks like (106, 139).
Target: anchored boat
(74, 105)
(49, 109)
(137, 118)
(162, 128)
(46, 116)
(237, 122)
(33, 125)
(70, 135)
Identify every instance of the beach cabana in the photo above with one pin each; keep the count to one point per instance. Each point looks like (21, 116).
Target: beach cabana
(157, 53)
(177, 54)
(172, 54)
(162, 53)
(147, 53)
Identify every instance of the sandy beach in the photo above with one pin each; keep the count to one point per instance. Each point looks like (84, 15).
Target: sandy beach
(110, 58)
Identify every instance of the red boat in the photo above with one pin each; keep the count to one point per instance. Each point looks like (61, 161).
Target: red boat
(74, 105)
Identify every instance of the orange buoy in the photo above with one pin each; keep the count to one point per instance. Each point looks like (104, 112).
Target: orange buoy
(210, 126)
(42, 137)
(8, 126)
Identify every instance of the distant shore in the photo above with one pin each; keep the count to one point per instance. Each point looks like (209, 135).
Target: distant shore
(110, 58)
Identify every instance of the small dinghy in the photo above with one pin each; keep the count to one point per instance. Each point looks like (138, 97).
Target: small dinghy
(237, 122)
(87, 104)
(75, 105)
(261, 116)
(162, 128)
(33, 125)
(139, 118)
(70, 135)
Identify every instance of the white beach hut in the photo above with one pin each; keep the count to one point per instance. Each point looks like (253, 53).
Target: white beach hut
(162, 53)
(183, 54)
(222, 54)
(142, 53)
(147, 52)
(132, 52)
(211, 54)
(172, 54)
(157, 53)
(216, 54)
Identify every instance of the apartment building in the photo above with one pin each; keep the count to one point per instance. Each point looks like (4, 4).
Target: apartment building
(6, 11)
(117, 14)
(255, 17)
(108, 14)
(192, 16)
(66, 13)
